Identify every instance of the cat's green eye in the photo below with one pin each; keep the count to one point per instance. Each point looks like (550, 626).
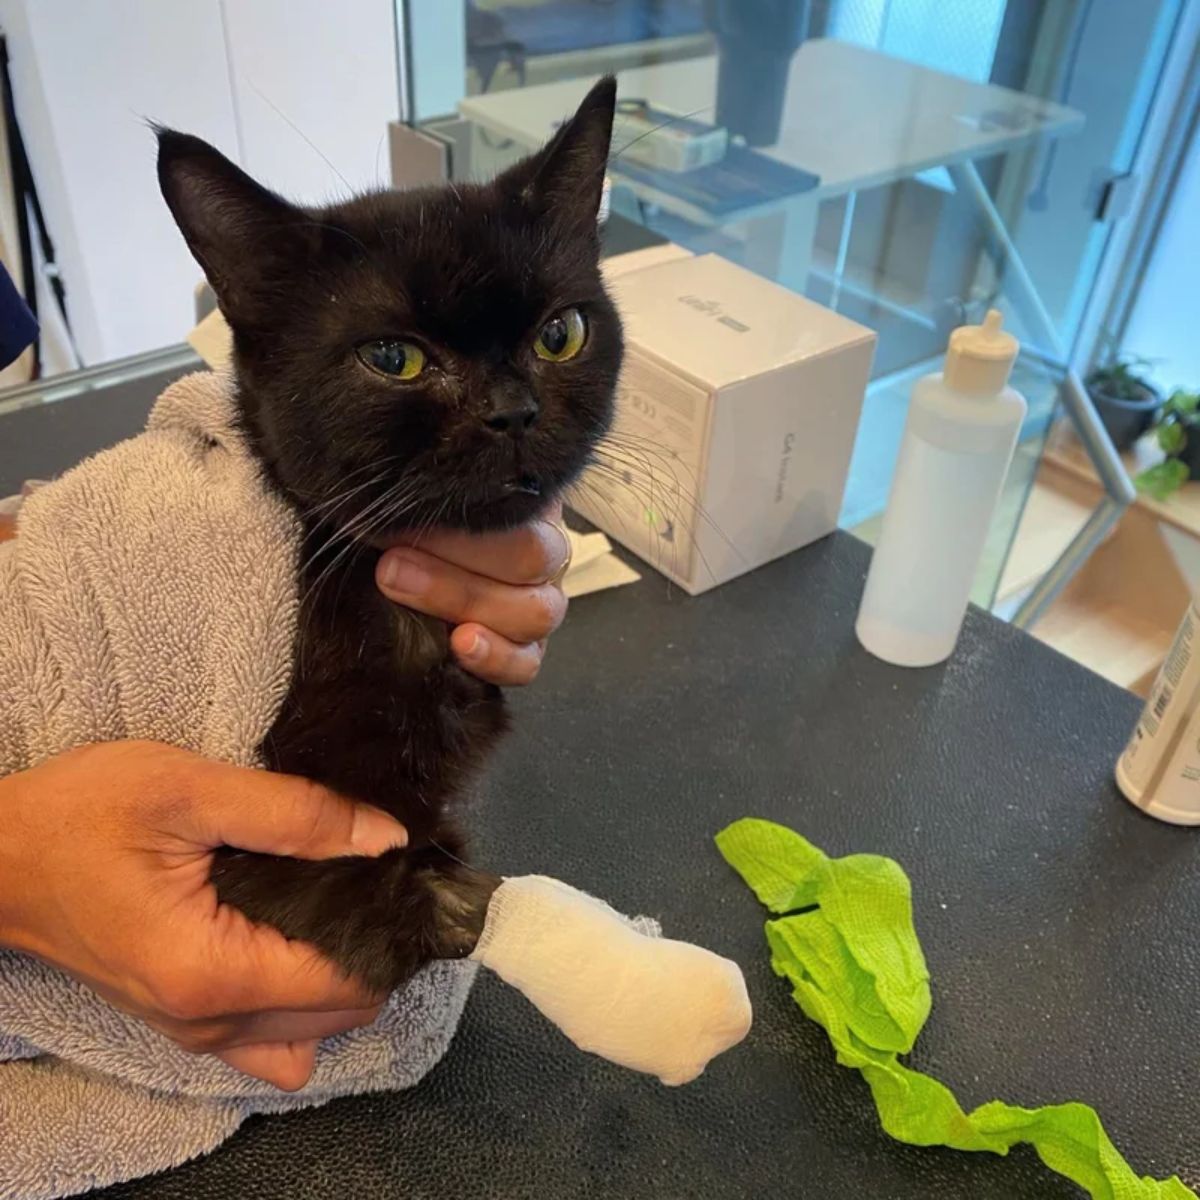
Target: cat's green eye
(562, 336)
(391, 356)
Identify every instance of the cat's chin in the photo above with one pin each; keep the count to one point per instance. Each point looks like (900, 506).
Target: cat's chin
(507, 511)
(508, 508)
(511, 506)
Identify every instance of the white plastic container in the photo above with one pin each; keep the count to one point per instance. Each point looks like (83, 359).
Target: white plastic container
(1160, 768)
(958, 442)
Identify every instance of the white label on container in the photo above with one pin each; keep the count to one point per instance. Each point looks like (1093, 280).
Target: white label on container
(1166, 708)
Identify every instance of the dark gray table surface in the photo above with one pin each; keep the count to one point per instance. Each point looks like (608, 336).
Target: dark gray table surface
(1060, 924)
(43, 440)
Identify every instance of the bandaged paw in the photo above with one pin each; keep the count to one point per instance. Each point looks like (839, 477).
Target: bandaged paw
(656, 1005)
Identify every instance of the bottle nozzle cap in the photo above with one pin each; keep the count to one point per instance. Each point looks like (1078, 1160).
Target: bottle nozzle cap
(980, 357)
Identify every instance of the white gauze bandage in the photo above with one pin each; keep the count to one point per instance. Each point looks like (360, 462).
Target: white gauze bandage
(649, 1003)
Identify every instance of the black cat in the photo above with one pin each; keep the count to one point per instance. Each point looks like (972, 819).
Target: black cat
(445, 356)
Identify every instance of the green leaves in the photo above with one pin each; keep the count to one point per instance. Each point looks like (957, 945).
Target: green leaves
(1162, 479)
(1172, 438)
(1182, 403)
(1177, 420)
(856, 968)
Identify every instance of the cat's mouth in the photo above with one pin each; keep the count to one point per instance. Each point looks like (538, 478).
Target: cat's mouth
(521, 485)
(507, 502)
(497, 505)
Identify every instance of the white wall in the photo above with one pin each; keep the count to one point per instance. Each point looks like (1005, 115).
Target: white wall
(314, 80)
(88, 76)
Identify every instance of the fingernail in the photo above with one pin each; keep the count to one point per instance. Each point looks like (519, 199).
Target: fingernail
(400, 574)
(374, 832)
(566, 549)
(476, 648)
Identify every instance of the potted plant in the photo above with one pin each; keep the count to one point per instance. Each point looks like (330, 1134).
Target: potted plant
(1178, 431)
(1124, 400)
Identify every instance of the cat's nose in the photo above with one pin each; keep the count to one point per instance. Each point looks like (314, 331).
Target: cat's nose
(512, 414)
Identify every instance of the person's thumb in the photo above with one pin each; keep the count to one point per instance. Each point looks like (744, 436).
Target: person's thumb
(290, 816)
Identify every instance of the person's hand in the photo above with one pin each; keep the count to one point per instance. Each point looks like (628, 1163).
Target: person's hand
(502, 591)
(104, 871)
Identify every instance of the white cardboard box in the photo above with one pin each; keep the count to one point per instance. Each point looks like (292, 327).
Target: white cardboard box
(736, 415)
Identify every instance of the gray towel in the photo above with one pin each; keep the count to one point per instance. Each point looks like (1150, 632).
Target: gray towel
(152, 593)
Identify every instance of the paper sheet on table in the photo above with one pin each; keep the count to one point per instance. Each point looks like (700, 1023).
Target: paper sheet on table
(212, 340)
(594, 566)
(857, 969)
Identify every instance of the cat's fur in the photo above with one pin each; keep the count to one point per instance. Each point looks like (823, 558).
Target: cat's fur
(377, 708)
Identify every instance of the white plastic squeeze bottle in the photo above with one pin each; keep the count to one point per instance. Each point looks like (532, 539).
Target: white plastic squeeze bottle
(958, 442)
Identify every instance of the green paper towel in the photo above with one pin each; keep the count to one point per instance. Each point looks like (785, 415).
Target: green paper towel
(849, 948)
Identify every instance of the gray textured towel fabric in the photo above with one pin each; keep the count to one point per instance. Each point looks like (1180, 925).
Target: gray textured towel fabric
(152, 593)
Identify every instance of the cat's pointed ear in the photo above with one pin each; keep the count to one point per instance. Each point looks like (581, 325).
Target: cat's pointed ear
(245, 237)
(564, 180)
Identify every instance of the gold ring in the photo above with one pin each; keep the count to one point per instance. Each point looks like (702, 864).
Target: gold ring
(560, 574)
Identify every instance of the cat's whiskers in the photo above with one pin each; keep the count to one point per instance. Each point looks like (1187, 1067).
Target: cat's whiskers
(397, 499)
(361, 536)
(621, 452)
(674, 120)
(387, 516)
(337, 229)
(622, 481)
(642, 484)
(350, 530)
(623, 470)
(584, 488)
(297, 130)
(381, 467)
(387, 496)
(434, 516)
(378, 151)
(311, 561)
(331, 503)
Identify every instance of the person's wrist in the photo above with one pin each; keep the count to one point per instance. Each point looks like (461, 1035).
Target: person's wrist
(17, 875)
